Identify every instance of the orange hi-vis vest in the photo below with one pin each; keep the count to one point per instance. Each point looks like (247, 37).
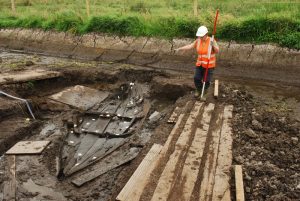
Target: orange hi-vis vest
(202, 50)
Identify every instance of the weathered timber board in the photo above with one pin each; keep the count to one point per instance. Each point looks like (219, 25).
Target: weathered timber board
(221, 190)
(80, 97)
(27, 75)
(167, 178)
(28, 147)
(109, 146)
(137, 182)
(208, 178)
(190, 170)
(114, 160)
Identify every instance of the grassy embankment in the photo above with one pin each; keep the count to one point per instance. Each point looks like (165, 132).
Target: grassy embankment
(240, 20)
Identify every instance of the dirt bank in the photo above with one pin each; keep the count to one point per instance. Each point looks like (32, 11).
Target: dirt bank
(265, 62)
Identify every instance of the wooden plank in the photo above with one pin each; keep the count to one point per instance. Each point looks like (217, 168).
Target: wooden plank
(216, 91)
(86, 142)
(192, 163)
(112, 161)
(173, 132)
(222, 176)
(80, 97)
(136, 184)
(85, 145)
(28, 147)
(226, 196)
(163, 150)
(165, 182)
(109, 146)
(239, 185)
(174, 115)
(9, 191)
(27, 75)
(207, 182)
(171, 136)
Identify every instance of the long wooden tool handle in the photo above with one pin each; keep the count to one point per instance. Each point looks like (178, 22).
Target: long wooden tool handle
(209, 52)
(215, 24)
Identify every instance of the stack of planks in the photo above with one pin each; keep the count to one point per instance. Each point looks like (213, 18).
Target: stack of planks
(193, 165)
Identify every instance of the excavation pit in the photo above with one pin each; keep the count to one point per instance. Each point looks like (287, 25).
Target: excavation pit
(95, 163)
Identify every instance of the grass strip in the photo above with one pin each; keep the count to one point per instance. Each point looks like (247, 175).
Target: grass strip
(283, 31)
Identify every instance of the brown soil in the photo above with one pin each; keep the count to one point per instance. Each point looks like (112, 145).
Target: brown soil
(265, 144)
(266, 129)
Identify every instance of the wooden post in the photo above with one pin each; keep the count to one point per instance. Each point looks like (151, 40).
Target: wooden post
(13, 7)
(216, 91)
(9, 190)
(195, 8)
(240, 196)
(88, 7)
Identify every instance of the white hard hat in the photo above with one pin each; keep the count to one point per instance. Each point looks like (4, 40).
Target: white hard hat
(202, 31)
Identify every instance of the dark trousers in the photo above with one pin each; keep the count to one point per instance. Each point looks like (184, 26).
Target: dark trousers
(199, 77)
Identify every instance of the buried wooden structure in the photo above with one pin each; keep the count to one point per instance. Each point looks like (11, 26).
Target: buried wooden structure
(80, 97)
(100, 134)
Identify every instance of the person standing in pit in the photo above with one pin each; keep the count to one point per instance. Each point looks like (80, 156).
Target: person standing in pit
(201, 44)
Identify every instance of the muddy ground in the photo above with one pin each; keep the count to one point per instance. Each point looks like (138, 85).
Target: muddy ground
(266, 127)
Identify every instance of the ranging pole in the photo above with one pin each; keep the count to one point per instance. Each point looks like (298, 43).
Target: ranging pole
(209, 52)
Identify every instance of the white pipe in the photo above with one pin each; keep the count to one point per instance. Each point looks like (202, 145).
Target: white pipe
(24, 100)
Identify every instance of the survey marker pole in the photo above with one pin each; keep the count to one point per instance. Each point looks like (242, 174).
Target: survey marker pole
(209, 52)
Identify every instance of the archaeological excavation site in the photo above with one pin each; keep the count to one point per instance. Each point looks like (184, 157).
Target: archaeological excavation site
(104, 118)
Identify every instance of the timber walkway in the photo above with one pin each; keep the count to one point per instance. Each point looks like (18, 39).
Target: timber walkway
(193, 164)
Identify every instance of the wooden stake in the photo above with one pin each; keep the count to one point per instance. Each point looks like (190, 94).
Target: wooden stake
(240, 196)
(216, 91)
(87, 7)
(13, 7)
(195, 8)
(9, 191)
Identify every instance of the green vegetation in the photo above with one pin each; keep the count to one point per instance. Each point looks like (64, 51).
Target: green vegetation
(255, 21)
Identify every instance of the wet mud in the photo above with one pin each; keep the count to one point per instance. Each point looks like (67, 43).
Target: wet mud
(266, 127)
